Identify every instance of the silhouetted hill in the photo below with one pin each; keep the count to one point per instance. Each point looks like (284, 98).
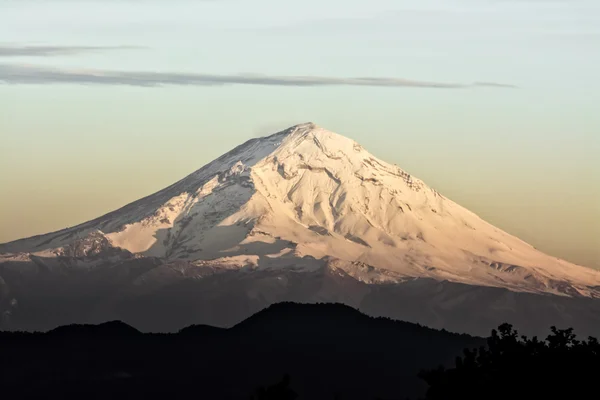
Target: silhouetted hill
(326, 348)
(201, 330)
(113, 329)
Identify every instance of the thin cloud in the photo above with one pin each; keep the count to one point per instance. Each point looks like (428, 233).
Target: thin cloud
(53, 51)
(28, 74)
(494, 84)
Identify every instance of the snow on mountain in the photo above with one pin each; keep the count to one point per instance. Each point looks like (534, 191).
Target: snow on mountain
(307, 191)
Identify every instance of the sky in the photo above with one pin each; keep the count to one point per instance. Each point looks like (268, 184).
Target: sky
(494, 103)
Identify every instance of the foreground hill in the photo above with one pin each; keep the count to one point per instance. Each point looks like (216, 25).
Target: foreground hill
(326, 348)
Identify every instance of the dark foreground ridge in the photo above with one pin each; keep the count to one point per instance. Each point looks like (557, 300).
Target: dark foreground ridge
(325, 351)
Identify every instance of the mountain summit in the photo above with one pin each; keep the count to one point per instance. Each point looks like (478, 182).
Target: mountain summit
(301, 201)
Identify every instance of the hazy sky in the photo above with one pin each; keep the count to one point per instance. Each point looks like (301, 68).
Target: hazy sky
(103, 102)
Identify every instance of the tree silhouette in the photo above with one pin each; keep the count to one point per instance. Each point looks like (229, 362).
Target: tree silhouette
(510, 366)
(278, 391)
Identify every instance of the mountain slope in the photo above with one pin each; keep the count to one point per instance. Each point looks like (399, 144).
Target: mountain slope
(309, 192)
(302, 200)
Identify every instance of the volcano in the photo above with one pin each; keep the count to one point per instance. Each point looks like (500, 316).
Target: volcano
(302, 215)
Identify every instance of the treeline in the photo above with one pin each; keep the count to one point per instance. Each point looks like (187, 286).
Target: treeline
(297, 351)
(508, 367)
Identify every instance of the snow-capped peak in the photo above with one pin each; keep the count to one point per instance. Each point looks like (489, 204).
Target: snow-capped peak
(307, 196)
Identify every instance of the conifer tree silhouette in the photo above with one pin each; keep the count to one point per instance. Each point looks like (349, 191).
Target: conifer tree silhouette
(561, 367)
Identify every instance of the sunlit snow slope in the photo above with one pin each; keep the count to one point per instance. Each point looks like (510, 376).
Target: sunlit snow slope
(307, 197)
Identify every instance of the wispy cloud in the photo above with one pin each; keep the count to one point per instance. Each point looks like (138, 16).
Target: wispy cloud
(28, 74)
(52, 51)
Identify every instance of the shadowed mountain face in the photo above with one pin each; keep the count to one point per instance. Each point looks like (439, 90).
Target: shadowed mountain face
(223, 298)
(302, 215)
(326, 348)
